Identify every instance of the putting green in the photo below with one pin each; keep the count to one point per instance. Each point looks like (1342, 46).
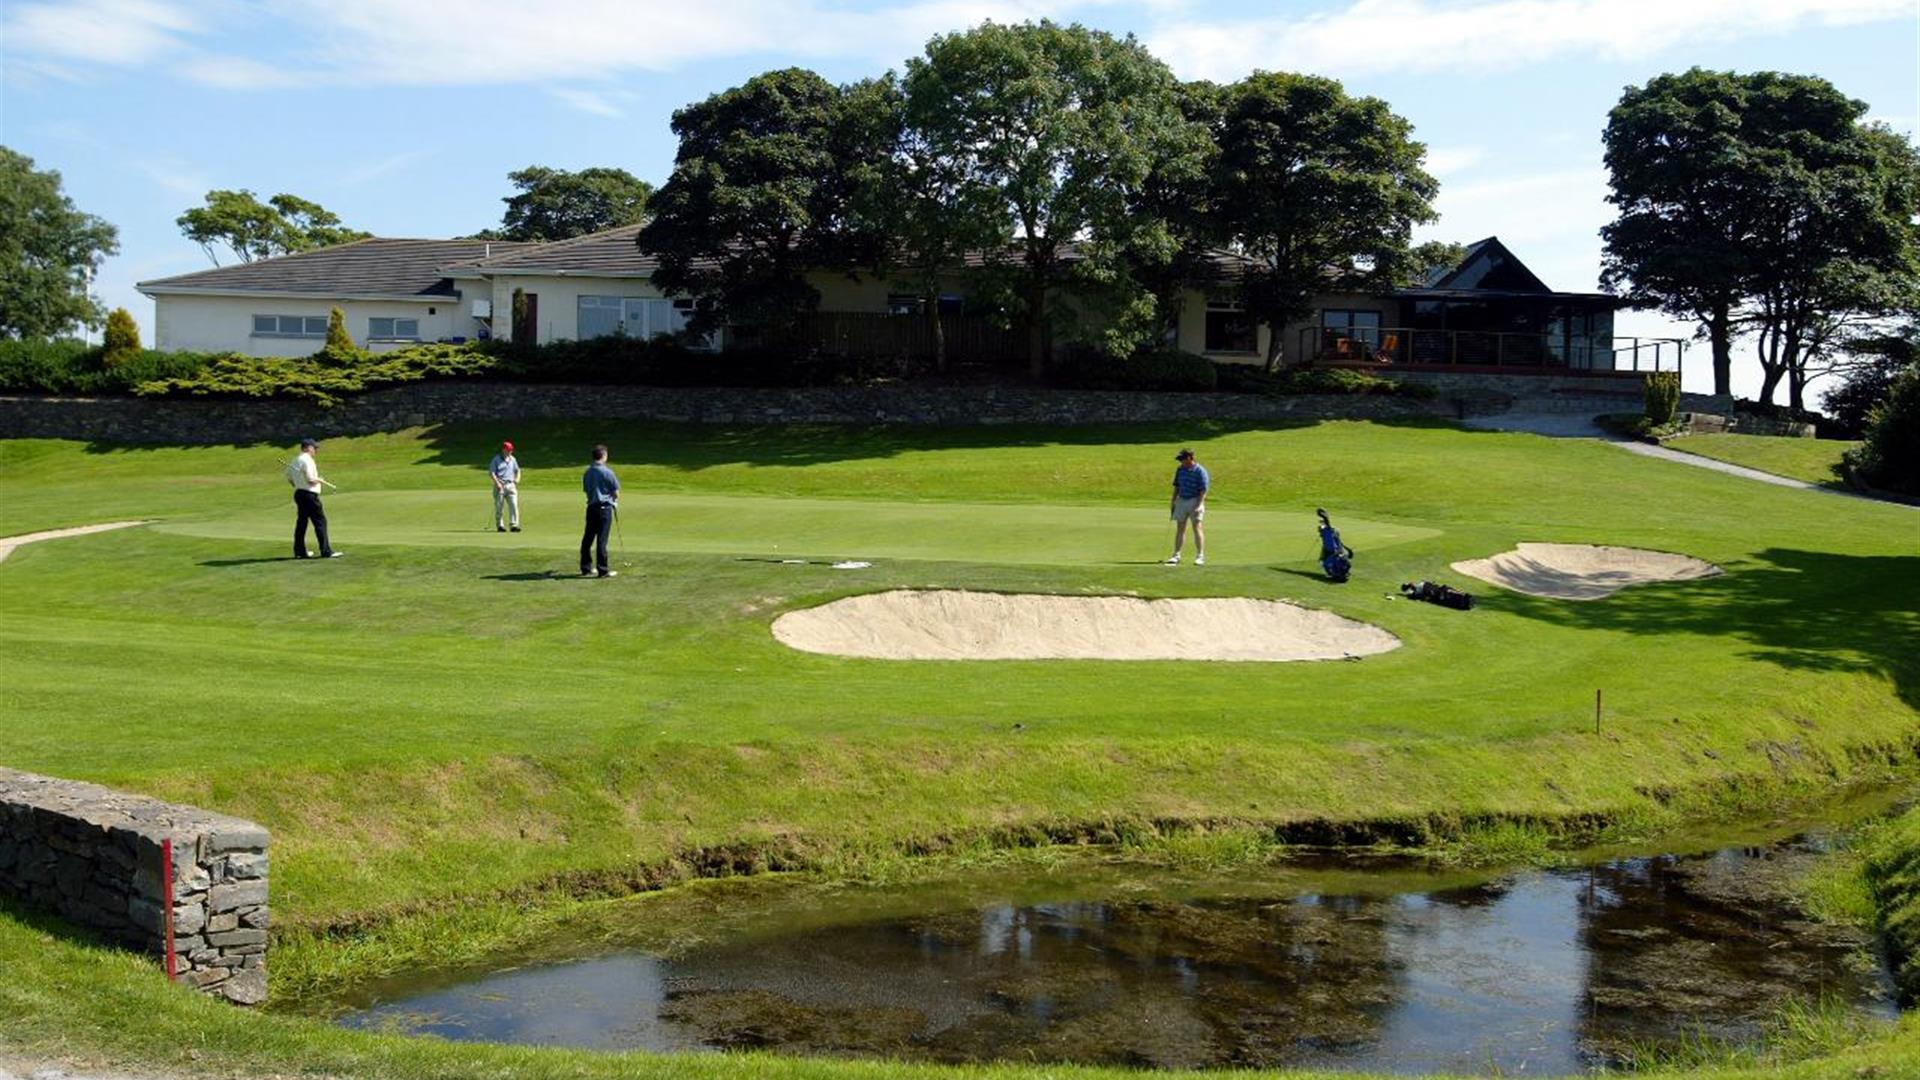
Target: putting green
(745, 525)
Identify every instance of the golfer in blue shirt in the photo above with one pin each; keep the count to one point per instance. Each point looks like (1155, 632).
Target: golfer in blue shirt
(603, 501)
(1190, 484)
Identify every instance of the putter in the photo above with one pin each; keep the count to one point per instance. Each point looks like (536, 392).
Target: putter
(622, 534)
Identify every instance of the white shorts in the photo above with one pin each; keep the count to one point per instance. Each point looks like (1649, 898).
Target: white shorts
(1189, 509)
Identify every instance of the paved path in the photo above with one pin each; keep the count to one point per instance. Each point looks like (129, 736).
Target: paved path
(8, 543)
(1698, 462)
(1576, 426)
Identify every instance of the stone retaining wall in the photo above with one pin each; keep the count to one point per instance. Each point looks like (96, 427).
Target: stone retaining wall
(1706, 423)
(136, 420)
(187, 421)
(92, 855)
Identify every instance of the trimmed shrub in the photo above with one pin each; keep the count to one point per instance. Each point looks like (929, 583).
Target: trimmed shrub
(1889, 457)
(1662, 398)
(324, 378)
(74, 367)
(339, 342)
(1250, 379)
(122, 337)
(1152, 369)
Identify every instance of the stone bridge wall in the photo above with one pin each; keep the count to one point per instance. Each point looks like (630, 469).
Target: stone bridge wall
(92, 855)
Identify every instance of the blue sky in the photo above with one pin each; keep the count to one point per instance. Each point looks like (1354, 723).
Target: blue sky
(404, 117)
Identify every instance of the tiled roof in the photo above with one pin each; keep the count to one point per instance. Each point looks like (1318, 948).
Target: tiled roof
(611, 252)
(372, 267)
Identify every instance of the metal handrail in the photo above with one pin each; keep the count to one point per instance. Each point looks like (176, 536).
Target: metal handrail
(1490, 348)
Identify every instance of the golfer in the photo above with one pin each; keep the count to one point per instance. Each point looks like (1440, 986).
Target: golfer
(505, 470)
(603, 501)
(1190, 484)
(304, 475)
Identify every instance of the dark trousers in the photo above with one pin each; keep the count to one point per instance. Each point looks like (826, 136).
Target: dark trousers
(593, 543)
(306, 505)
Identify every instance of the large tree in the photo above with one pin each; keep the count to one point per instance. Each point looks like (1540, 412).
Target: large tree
(1059, 129)
(554, 204)
(762, 191)
(1759, 202)
(1321, 190)
(251, 229)
(49, 251)
(1837, 254)
(920, 201)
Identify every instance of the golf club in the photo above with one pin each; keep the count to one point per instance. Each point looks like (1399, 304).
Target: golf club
(286, 466)
(622, 535)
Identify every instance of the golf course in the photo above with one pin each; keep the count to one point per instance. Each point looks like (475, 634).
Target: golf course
(457, 741)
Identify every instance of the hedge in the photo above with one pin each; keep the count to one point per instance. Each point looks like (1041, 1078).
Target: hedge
(74, 367)
(335, 373)
(1889, 457)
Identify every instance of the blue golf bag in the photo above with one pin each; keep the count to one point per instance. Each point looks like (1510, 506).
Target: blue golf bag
(1336, 558)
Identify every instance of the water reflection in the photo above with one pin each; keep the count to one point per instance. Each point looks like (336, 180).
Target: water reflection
(1548, 972)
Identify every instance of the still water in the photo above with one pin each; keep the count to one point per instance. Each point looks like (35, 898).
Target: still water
(1542, 972)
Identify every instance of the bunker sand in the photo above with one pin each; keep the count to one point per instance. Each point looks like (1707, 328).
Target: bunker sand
(1582, 571)
(959, 625)
(8, 543)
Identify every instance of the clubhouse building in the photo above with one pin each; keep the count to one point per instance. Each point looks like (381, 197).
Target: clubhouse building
(1489, 313)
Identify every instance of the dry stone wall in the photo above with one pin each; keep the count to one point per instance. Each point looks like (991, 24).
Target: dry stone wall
(92, 855)
(202, 422)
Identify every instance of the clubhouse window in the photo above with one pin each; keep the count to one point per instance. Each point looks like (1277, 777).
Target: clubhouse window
(382, 329)
(1230, 329)
(301, 326)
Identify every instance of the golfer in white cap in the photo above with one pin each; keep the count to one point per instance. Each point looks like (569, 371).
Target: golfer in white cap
(1190, 484)
(304, 475)
(505, 470)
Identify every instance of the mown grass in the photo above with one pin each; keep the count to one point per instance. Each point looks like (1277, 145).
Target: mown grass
(435, 728)
(1812, 460)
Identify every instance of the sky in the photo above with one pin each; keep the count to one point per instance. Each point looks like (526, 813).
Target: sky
(404, 116)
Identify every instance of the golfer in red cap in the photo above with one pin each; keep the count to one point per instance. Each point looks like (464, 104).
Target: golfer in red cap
(505, 470)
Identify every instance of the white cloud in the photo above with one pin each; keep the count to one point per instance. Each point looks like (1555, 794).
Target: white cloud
(1445, 161)
(509, 41)
(119, 32)
(1424, 35)
(596, 102)
(392, 163)
(227, 72)
(175, 175)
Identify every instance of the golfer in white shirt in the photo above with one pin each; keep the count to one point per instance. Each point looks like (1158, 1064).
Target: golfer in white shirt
(304, 475)
(505, 470)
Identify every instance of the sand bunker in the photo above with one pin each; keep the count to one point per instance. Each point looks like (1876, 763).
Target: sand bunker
(8, 543)
(956, 625)
(1582, 571)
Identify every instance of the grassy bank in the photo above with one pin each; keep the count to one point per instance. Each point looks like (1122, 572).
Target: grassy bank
(436, 728)
(1811, 460)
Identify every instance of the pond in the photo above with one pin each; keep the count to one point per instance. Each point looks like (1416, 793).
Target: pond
(1380, 966)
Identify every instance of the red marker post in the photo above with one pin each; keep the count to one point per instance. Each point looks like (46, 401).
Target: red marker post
(166, 887)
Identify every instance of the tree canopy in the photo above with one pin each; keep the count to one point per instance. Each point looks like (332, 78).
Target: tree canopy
(49, 251)
(1759, 202)
(1321, 190)
(554, 204)
(251, 229)
(761, 192)
(1057, 130)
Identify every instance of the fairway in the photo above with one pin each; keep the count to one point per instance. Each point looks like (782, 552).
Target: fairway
(447, 716)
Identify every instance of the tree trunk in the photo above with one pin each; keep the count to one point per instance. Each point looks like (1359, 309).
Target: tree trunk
(1720, 340)
(1036, 328)
(1769, 382)
(939, 334)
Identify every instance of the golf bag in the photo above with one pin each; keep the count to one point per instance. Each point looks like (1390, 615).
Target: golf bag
(1444, 595)
(1336, 558)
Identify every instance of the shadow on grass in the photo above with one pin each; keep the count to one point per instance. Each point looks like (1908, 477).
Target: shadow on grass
(251, 562)
(692, 447)
(1804, 610)
(42, 921)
